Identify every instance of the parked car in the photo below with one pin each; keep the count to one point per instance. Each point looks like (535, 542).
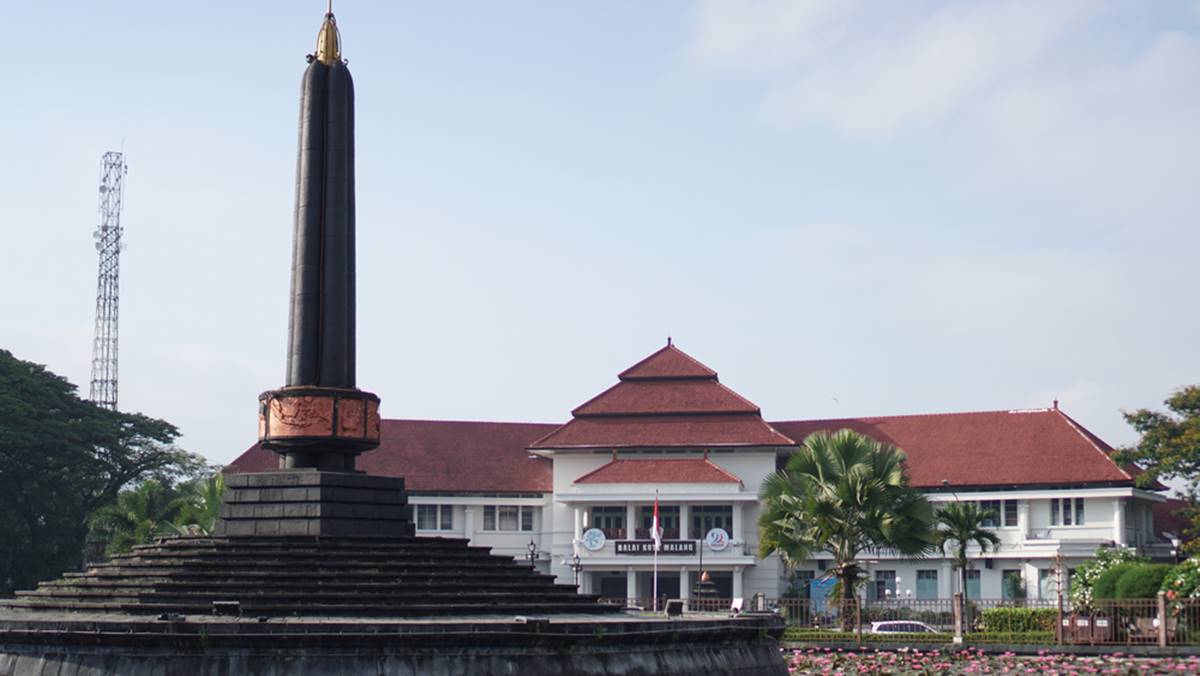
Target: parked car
(901, 627)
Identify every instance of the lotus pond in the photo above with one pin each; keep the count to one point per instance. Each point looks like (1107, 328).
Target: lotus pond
(973, 661)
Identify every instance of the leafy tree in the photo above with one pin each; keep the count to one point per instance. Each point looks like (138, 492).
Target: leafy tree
(1169, 448)
(60, 459)
(846, 494)
(960, 524)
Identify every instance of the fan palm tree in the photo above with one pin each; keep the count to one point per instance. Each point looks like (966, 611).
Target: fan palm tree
(846, 494)
(960, 524)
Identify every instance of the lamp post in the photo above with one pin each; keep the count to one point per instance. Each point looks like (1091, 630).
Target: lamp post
(1175, 542)
(576, 566)
(531, 552)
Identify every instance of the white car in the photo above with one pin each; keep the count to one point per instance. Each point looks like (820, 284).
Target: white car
(901, 627)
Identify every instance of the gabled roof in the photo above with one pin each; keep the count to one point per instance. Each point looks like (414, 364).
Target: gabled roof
(669, 362)
(445, 455)
(659, 471)
(992, 448)
(667, 400)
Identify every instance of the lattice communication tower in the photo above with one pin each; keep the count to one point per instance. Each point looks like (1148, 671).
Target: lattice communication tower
(108, 287)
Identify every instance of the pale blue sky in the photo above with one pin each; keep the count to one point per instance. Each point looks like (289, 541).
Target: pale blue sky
(846, 208)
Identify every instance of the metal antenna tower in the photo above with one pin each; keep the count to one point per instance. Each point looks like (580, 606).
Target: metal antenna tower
(108, 287)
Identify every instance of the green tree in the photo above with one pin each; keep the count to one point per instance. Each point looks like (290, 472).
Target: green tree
(138, 515)
(201, 504)
(960, 524)
(60, 459)
(846, 494)
(1169, 448)
(1089, 572)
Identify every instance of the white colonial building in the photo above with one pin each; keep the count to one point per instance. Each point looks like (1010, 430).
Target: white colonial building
(670, 429)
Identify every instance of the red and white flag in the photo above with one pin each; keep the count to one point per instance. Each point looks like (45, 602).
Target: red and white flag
(656, 530)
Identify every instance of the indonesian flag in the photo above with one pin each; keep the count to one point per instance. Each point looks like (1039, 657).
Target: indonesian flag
(656, 530)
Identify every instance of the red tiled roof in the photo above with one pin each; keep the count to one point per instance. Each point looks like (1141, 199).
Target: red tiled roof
(445, 455)
(667, 400)
(1168, 519)
(659, 471)
(988, 449)
(669, 362)
(995, 448)
(674, 431)
(659, 397)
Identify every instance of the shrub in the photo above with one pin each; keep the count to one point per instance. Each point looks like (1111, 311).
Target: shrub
(1105, 587)
(1142, 581)
(1089, 571)
(1019, 619)
(1183, 582)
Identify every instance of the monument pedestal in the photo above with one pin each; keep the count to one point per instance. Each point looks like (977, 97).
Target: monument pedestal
(314, 502)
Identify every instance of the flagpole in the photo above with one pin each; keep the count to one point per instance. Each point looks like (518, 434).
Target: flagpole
(657, 540)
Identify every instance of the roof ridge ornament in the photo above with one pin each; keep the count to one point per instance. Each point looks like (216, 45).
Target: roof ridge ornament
(329, 40)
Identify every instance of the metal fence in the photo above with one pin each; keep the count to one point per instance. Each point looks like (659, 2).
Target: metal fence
(1157, 621)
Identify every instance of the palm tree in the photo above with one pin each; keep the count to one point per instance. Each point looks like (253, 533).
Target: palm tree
(201, 506)
(843, 493)
(961, 523)
(139, 514)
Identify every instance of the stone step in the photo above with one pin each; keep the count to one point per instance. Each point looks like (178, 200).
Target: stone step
(585, 604)
(133, 587)
(499, 576)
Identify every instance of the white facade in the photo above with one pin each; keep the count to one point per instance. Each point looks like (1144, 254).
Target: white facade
(1033, 528)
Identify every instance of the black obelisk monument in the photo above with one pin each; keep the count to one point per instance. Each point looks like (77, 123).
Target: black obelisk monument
(319, 419)
(319, 422)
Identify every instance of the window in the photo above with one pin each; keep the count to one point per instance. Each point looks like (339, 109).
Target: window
(885, 584)
(668, 518)
(507, 517)
(611, 520)
(1047, 584)
(973, 577)
(708, 517)
(435, 517)
(1011, 586)
(927, 584)
(991, 510)
(1066, 511)
(1010, 513)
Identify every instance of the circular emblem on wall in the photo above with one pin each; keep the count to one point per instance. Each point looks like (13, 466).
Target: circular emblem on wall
(717, 539)
(593, 539)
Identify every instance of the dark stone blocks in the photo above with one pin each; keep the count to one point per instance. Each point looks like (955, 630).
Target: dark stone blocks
(314, 503)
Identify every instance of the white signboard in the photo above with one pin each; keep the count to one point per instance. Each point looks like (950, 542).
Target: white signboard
(593, 539)
(717, 539)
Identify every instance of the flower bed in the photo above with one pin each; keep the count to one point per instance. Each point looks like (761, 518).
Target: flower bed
(843, 661)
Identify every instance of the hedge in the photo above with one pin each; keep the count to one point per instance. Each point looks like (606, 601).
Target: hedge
(1019, 619)
(1105, 587)
(1142, 581)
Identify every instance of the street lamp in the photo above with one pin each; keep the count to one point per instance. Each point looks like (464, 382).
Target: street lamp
(576, 566)
(1175, 542)
(531, 552)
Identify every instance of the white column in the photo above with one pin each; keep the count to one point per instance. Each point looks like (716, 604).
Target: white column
(631, 585)
(739, 532)
(684, 592)
(578, 533)
(469, 522)
(684, 525)
(630, 521)
(737, 582)
(1118, 530)
(947, 581)
(1023, 518)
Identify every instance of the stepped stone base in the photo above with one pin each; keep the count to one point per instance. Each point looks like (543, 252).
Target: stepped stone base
(313, 502)
(316, 572)
(477, 646)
